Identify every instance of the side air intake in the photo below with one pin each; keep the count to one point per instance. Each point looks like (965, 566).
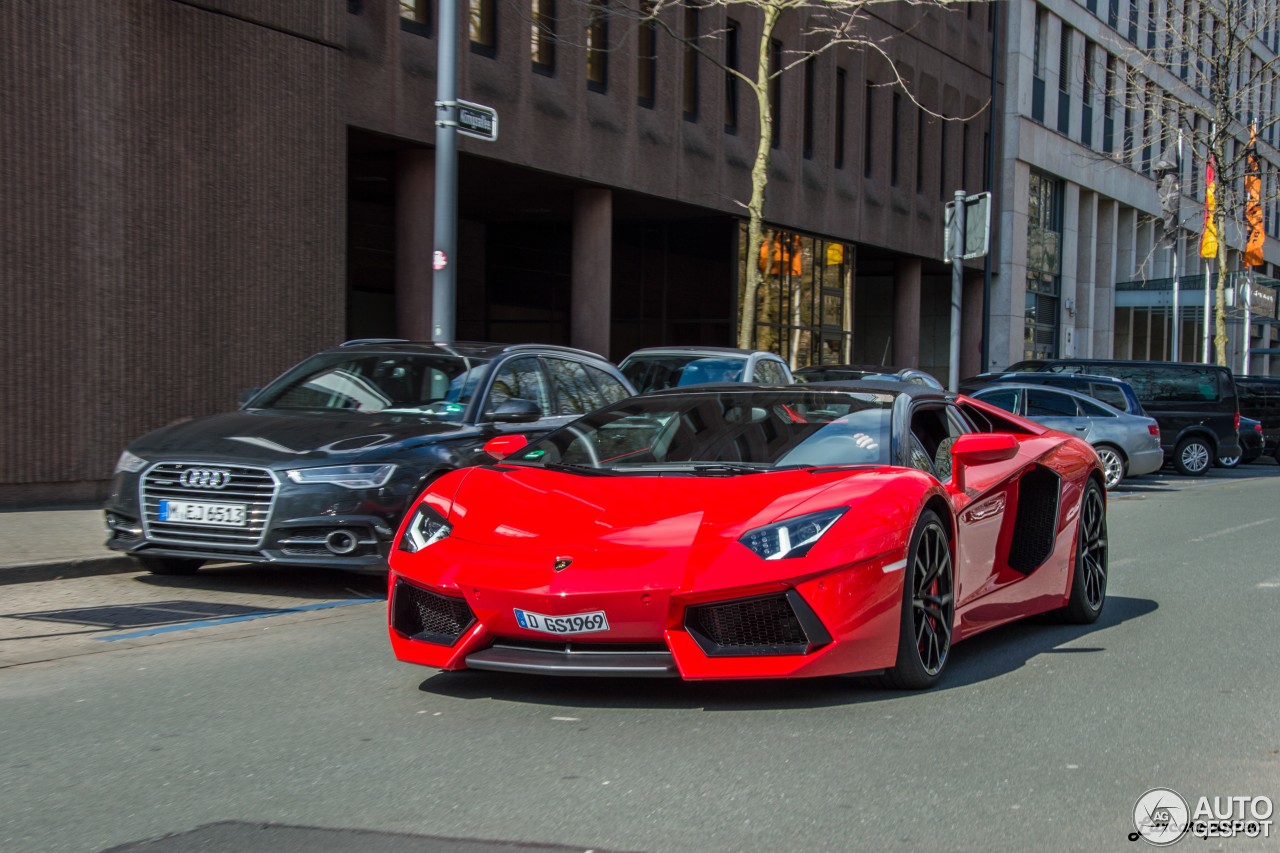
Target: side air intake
(1036, 522)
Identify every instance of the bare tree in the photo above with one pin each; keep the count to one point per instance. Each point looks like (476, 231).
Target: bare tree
(1206, 75)
(824, 25)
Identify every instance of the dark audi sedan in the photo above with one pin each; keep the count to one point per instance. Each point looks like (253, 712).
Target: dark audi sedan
(317, 468)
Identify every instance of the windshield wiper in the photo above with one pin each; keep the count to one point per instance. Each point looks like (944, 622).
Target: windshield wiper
(577, 469)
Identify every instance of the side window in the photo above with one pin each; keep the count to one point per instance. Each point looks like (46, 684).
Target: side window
(611, 390)
(769, 372)
(933, 430)
(520, 378)
(1093, 410)
(1045, 403)
(576, 394)
(1005, 398)
(1109, 394)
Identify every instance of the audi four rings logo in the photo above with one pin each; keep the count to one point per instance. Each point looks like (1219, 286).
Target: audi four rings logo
(205, 478)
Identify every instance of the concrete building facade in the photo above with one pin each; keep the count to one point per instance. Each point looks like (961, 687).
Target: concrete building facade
(1090, 107)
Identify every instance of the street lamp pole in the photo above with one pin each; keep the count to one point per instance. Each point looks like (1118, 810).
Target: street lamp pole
(445, 241)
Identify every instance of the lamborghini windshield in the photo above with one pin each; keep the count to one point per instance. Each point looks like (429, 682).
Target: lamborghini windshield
(722, 432)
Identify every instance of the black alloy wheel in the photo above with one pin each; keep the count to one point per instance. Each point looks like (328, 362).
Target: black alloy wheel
(928, 607)
(1089, 580)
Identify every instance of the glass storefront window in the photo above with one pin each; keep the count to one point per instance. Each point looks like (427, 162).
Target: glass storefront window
(1044, 267)
(802, 306)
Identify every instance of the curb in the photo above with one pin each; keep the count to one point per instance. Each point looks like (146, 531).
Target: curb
(81, 567)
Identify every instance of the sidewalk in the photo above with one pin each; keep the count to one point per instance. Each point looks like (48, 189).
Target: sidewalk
(47, 544)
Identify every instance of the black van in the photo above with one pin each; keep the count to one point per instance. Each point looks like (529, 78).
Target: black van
(1260, 400)
(1196, 405)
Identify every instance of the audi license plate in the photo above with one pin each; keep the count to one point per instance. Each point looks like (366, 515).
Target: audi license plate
(578, 623)
(192, 512)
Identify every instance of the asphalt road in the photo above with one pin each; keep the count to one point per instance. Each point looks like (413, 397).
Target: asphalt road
(162, 714)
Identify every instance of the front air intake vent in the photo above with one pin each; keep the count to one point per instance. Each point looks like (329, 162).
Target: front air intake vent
(420, 614)
(781, 624)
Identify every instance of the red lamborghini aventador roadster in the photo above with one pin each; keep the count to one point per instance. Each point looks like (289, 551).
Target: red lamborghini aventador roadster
(748, 532)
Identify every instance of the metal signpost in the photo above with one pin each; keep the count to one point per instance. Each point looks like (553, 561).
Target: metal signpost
(967, 225)
(453, 116)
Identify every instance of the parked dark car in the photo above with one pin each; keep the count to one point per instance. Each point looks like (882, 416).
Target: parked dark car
(317, 468)
(1114, 392)
(1196, 405)
(656, 368)
(1250, 444)
(860, 372)
(1260, 400)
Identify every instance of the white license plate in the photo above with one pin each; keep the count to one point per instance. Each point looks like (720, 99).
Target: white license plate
(577, 623)
(193, 512)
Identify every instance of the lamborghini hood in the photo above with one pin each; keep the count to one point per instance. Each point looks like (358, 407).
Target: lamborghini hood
(533, 508)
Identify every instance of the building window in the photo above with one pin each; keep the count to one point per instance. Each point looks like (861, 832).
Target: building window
(1044, 267)
(647, 58)
(691, 35)
(775, 90)
(415, 16)
(597, 46)
(868, 135)
(483, 26)
(942, 158)
(542, 35)
(895, 126)
(807, 147)
(841, 84)
(731, 32)
(920, 124)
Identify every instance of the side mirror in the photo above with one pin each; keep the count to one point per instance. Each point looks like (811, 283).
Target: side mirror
(502, 446)
(248, 394)
(515, 411)
(978, 448)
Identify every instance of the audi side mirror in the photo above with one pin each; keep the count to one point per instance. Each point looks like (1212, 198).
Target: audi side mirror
(514, 411)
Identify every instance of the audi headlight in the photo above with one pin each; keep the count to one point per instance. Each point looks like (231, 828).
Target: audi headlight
(347, 476)
(129, 462)
(426, 527)
(793, 537)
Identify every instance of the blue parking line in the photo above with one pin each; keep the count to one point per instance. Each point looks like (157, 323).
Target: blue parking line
(205, 623)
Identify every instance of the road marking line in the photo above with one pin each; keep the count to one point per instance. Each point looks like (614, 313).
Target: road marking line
(226, 620)
(1231, 530)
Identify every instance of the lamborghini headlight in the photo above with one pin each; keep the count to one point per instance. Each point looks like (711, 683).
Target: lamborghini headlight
(426, 527)
(792, 537)
(348, 476)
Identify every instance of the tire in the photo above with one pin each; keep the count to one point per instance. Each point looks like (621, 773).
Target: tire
(170, 565)
(1229, 461)
(1193, 457)
(1114, 467)
(928, 607)
(1089, 578)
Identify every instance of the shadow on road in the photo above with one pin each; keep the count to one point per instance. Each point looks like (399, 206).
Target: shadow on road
(986, 656)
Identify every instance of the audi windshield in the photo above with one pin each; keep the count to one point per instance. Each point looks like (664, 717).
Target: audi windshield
(434, 386)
